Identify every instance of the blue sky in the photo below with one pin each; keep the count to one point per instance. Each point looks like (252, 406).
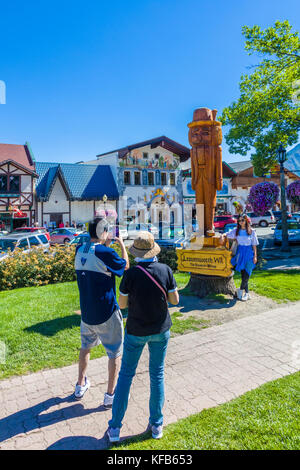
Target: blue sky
(87, 77)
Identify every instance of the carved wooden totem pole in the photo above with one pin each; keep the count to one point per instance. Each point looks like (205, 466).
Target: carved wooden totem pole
(205, 137)
(205, 256)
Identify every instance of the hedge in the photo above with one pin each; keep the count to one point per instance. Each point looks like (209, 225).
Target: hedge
(37, 268)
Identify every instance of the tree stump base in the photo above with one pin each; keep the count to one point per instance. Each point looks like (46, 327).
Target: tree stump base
(203, 285)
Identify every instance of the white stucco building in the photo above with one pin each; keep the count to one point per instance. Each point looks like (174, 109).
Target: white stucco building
(70, 191)
(149, 179)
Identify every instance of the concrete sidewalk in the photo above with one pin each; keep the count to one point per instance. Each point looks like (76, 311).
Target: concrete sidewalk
(203, 369)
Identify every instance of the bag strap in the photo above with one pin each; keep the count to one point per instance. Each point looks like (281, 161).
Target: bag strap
(152, 279)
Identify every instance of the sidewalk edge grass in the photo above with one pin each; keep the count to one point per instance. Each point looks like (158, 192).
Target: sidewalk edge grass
(266, 418)
(281, 286)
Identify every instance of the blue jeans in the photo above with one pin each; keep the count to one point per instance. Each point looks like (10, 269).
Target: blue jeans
(133, 348)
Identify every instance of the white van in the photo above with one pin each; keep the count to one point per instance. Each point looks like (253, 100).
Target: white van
(262, 220)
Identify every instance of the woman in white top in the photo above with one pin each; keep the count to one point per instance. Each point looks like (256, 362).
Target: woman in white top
(246, 255)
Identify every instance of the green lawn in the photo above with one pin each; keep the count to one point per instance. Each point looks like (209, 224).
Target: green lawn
(281, 286)
(262, 419)
(41, 330)
(183, 325)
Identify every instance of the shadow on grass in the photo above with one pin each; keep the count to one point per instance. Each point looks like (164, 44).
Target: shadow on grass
(126, 440)
(92, 443)
(51, 327)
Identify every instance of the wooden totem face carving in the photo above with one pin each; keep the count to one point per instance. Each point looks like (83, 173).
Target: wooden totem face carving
(200, 135)
(205, 135)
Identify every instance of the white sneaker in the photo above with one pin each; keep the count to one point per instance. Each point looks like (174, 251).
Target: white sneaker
(245, 297)
(108, 400)
(81, 389)
(239, 294)
(113, 434)
(157, 432)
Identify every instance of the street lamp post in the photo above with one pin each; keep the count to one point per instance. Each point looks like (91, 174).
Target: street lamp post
(281, 155)
(104, 200)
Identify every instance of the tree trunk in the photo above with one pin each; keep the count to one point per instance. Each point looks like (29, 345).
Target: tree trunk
(202, 285)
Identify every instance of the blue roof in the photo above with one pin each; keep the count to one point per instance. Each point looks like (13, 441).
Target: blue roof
(82, 182)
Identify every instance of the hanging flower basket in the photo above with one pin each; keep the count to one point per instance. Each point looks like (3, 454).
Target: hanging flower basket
(293, 192)
(238, 207)
(263, 196)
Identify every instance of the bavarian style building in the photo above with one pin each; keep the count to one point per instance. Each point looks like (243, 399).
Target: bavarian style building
(17, 182)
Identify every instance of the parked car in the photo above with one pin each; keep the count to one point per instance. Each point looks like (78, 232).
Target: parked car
(220, 221)
(31, 230)
(63, 235)
(134, 229)
(25, 242)
(277, 215)
(296, 215)
(229, 227)
(293, 232)
(262, 220)
(82, 238)
(173, 236)
(171, 243)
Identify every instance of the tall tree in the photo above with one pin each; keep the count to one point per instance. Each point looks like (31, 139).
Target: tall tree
(267, 112)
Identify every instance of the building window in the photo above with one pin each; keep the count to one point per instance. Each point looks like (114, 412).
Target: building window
(164, 179)
(3, 183)
(126, 177)
(145, 155)
(151, 178)
(172, 179)
(14, 184)
(157, 156)
(137, 177)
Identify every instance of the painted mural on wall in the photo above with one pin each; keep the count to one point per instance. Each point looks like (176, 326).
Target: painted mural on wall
(224, 189)
(188, 191)
(136, 159)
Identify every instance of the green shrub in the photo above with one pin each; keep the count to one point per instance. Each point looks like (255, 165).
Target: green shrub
(169, 257)
(37, 268)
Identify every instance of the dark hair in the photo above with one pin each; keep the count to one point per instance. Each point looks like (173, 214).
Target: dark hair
(93, 226)
(248, 224)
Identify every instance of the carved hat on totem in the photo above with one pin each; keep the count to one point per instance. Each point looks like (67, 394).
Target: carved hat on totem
(204, 117)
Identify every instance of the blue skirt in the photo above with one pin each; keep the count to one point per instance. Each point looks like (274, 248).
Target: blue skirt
(243, 259)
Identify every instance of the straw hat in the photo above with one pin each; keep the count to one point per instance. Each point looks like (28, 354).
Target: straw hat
(144, 246)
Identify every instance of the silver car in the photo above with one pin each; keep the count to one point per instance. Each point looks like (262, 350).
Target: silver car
(134, 229)
(26, 242)
(262, 220)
